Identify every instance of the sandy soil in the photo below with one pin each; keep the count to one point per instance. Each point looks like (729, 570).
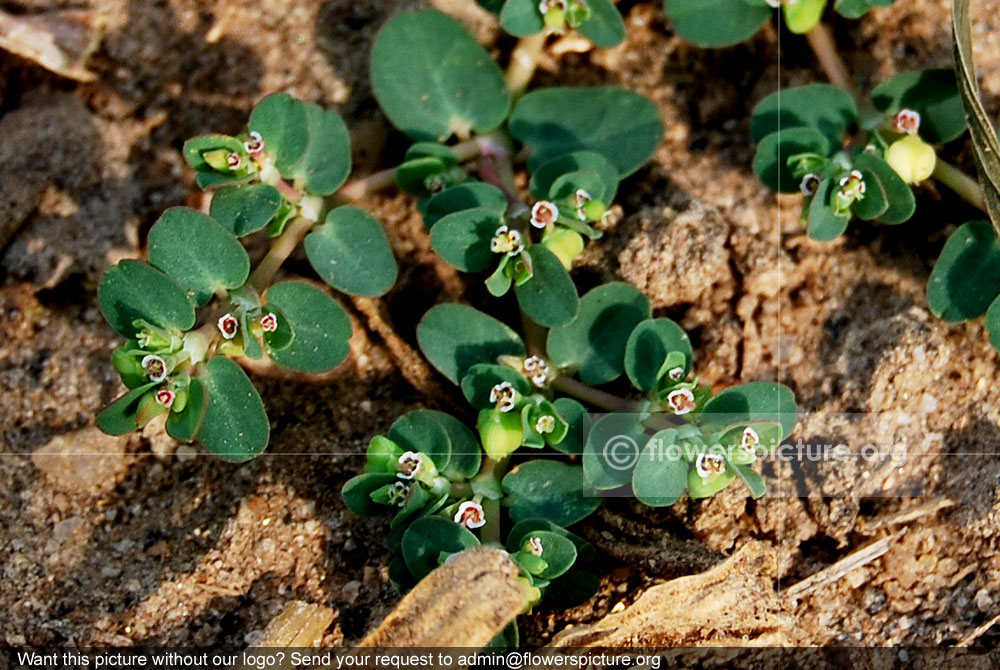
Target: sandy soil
(145, 542)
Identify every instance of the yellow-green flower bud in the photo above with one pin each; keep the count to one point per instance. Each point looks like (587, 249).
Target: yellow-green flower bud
(912, 159)
(566, 244)
(501, 433)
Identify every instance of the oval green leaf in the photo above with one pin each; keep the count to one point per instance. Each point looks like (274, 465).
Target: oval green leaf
(605, 27)
(548, 490)
(770, 163)
(660, 476)
(647, 348)
(119, 418)
(822, 107)
(357, 493)
(824, 224)
(184, 425)
(966, 277)
(622, 126)
(715, 23)
(351, 253)
(594, 343)
(465, 196)
(433, 79)
(235, 427)
(245, 209)
(613, 446)
(134, 290)
(463, 239)
(428, 538)
(321, 326)
(421, 431)
(549, 297)
(899, 196)
(753, 402)
(198, 253)
(455, 337)
(547, 173)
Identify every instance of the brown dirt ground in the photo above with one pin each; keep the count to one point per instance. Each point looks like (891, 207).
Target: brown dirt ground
(154, 544)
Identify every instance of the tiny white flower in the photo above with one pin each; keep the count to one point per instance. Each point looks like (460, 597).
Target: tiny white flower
(750, 439)
(545, 424)
(581, 198)
(676, 374)
(545, 6)
(255, 144)
(908, 121)
(537, 369)
(410, 465)
(398, 493)
(504, 396)
(534, 546)
(155, 367)
(506, 241)
(269, 322)
(228, 326)
(709, 464)
(234, 161)
(470, 514)
(809, 184)
(544, 214)
(165, 397)
(681, 401)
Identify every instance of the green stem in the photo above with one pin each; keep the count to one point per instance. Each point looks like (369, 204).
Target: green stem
(494, 469)
(595, 397)
(967, 188)
(825, 49)
(279, 252)
(524, 62)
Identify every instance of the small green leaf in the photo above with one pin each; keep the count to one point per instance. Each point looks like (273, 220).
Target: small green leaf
(198, 253)
(469, 195)
(245, 209)
(119, 418)
(755, 483)
(482, 377)
(134, 290)
(824, 223)
(875, 203)
(574, 414)
(770, 163)
(421, 431)
(196, 149)
(621, 125)
(521, 18)
(605, 27)
(548, 490)
(594, 342)
(235, 427)
(455, 337)
(613, 446)
(932, 93)
(705, 487)
(462, 239)
(548, 172)
(715, 23)
(822, 107)
(184, 425)
(558, 552)
(322, 327)
(433, 79)
(357, 493)
(466, 452)
(281, 121)
(549, 297)
(647, 348)
(753, 402)
(855, 9)
(966, 277)
(428, 538)
(351, 253)
(900, 198)
(660, 476)
(424, 160)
